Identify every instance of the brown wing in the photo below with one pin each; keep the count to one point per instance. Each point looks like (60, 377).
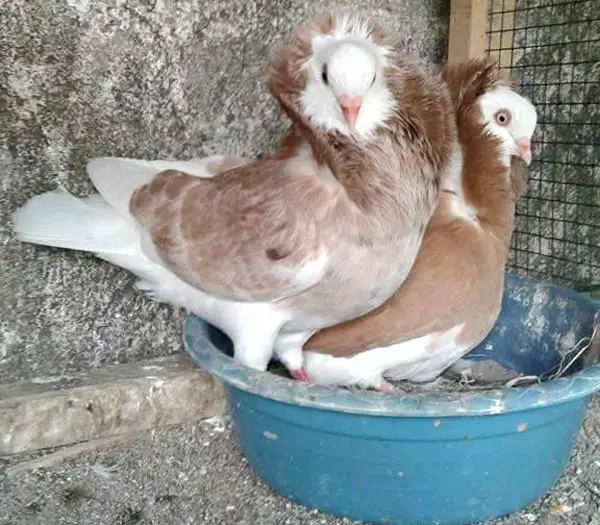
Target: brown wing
(246, 235)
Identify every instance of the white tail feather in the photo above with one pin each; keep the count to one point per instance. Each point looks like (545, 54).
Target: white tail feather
(59, 219)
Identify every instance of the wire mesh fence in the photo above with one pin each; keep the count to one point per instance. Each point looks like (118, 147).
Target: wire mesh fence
(552, 50)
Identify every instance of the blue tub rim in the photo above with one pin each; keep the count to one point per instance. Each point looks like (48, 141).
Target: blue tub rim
(579, 384)
(455, 404)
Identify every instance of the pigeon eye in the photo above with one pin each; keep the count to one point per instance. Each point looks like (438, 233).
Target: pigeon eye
(324, 75)
(502, 117)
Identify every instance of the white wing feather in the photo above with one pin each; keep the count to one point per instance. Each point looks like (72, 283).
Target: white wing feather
(116, 179)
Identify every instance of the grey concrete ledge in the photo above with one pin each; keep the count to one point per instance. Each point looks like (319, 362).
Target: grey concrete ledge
(123, 399)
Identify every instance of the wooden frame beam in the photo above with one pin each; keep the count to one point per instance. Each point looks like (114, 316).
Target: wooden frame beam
(502, 27)
(466, 37)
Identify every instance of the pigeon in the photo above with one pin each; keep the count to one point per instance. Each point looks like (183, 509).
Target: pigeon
(272, 250)
(452, 296)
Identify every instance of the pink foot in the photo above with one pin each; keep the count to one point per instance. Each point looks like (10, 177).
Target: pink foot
(299, 375)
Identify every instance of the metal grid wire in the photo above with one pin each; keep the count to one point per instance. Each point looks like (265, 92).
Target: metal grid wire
(552, 50)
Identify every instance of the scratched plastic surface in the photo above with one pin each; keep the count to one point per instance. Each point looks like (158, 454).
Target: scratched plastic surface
(420, 459)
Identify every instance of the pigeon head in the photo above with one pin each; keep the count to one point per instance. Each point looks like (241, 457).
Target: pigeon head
(346, 88)
(511, 118)
(335, 68)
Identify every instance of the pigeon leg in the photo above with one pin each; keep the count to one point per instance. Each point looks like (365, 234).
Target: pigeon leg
(299, 375)
(254, 347)
(288, 349)
(387, 388)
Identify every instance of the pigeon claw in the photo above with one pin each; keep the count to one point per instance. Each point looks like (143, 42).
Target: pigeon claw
(386, 388)
(299, 375)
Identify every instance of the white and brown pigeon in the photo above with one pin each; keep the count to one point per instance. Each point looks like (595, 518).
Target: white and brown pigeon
(273, 250)
(452, 296)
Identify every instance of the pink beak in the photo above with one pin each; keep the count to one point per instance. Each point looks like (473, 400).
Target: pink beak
(350, 108)
(524, 150)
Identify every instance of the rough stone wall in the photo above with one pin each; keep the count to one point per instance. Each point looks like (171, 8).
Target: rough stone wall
(141, 78)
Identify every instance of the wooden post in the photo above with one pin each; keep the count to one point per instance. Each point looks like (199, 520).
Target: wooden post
(502, 25)
(467, 34)
(467, 30)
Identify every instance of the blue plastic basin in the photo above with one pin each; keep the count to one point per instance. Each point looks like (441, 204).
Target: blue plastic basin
(424, 458)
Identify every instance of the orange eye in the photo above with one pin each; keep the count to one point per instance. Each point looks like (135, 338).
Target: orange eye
(502, 117)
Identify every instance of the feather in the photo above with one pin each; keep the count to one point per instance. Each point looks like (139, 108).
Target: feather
(59, 219)
(117, 178)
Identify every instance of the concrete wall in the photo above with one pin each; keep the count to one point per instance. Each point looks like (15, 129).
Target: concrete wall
(142, 78)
